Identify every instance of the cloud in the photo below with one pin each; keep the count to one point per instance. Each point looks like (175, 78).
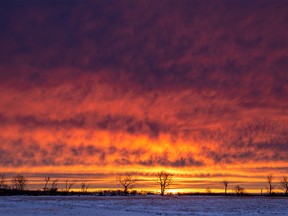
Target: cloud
(89, 121)
(164, 160)
(140, 84)
(17, 153)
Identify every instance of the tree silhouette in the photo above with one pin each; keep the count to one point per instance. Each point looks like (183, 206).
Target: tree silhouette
(164, 179)
(54, 187)
(19, 182)
(47, 179)
(2, 180)
(225, 183)
(127, 183)
(271, 186)
(84, 187)
(239, 190)
(284, 185)
(68, 185)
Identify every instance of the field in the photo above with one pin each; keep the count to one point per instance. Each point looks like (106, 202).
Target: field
(141, 205)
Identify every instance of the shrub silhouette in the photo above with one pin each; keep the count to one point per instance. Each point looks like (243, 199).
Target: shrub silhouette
(19, 182)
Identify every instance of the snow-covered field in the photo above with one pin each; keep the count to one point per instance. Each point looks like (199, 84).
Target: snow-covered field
(142, 205)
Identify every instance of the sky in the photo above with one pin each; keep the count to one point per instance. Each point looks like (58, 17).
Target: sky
(97, 89)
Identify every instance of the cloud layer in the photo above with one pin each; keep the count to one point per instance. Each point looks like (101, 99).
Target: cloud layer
(150, 85)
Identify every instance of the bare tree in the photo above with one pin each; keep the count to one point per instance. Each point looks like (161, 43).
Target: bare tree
(19, 182)
(54, 186)
(225, 183)
(68, 185)
(239, 190)
(271, 186)
(84, 187)
(284, 184)
(2, 180)
(164, 179)
(47, 179)
(127, 182)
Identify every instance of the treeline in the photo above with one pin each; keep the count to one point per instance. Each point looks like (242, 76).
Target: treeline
(13, 192)
(17, 185)
(270, 188)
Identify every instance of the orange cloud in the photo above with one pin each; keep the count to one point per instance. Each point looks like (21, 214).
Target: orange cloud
(197, 89)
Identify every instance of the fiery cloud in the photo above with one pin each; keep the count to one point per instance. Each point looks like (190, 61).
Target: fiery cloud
(194, 87)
